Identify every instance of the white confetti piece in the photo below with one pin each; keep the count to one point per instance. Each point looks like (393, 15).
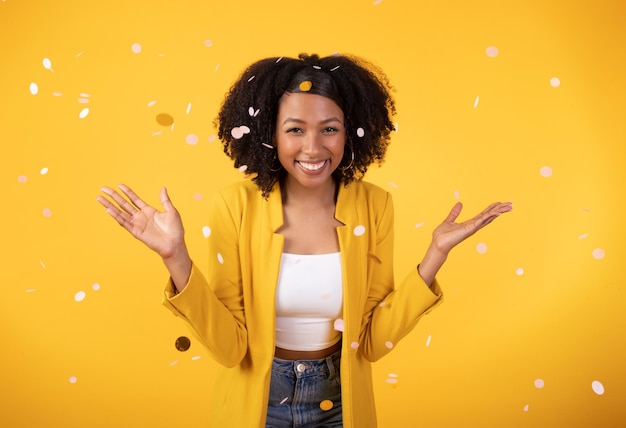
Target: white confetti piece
(492, 51)
(317, 67)
(84, 95)
(212, 138)
(252, 112)
(34, 89)
(206, 231)
(83, 113)
(338, 324)
(217, 67)
(73, 379)
(481, 248)
(428, 339)
(377, 2)
(354, 345)
(476, 101)
(251, 79)
(30, 290)
(389, 344)
(555, 82)
(598, 254)
(173, 363)
(43, 265)
(95, 286)
(80, 54)
(136, 48)
(360, 132)
(526, 408)
(196, 358)
(383, 303)
(22, 179)
(57, 94)
(80, 296)
(47, 212)
(392, 184)
(220, 258)
(284, 400)
(243, 168)
(597, 387)
(396, 126)
(519, 271)
(43, 171)
(583, 236)
(539, 383)
(239, 132)
(191, 139)
(267, 145)
(545, 171)
(457, 195)
(418, 225)
(359, 230)
(197, 196)
(152, 103)
(335, 68)
(47, 64)
(83, 101)
(392, 380)
(208, 43)
(188, 108)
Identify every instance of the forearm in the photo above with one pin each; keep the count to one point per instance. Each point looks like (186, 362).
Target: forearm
(431, 263)
(179, 266)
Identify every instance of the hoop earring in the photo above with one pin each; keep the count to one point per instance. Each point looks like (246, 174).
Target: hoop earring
(345, 168)
(274, 159)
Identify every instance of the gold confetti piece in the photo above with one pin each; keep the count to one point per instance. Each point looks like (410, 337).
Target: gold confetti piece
(326, 405)
(305, 86)
(164, 119)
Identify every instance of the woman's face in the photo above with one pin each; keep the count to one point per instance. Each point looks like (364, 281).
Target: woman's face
(310, 138)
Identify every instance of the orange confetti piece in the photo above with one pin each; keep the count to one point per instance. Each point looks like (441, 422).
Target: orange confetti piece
(326, 405)
(305, 86)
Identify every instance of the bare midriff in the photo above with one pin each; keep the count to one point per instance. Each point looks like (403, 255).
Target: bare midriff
(288, 354)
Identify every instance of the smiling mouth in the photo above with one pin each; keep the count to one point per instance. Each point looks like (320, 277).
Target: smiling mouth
(312, 166)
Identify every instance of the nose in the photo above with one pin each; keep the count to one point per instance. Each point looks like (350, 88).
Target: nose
(312, 144)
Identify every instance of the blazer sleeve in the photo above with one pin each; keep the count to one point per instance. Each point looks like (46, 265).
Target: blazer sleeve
(391, 312)
(213, 306)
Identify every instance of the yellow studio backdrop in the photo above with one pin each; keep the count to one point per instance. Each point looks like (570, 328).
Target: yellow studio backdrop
(520, 101)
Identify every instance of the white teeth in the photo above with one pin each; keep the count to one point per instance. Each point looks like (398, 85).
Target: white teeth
(312, 166)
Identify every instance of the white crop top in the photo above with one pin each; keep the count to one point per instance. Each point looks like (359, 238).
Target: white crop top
(309, 299)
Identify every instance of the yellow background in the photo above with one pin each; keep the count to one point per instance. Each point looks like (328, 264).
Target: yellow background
(470, 126)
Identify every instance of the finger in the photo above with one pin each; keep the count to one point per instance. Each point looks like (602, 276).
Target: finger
(166, 201)
(454, 212)
(136, 200)
(121, 202)
(122, 218)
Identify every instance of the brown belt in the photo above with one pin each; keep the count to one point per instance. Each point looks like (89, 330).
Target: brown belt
(288, 354)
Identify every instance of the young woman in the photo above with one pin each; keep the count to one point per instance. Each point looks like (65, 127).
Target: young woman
(300, 295)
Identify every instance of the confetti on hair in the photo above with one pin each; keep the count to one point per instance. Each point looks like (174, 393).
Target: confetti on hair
(305, 86)
(279, 59)
(243, 168)
(252, 78)
(317, 67)
(252, 112)
(360, 132)
(335, 68)
(269, 146)
(239, 131)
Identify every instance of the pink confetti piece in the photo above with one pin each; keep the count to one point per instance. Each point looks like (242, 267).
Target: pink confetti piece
(220, 259)
(360, 132)
(359, 230)
(239, 132)
(284, 400)
(136, 48)
(492, 51)
(206, 231)
(389, 344)
(268, 146)
(338, 324)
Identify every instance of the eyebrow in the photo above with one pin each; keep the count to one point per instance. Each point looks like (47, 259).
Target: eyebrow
(329, 120)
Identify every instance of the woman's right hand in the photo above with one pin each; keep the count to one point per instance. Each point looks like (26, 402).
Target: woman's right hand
(162, 232)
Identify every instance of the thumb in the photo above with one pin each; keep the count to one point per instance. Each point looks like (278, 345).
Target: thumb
(454, 212)
(166, 201)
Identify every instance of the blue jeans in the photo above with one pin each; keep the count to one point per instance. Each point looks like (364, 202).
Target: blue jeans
(305, 393)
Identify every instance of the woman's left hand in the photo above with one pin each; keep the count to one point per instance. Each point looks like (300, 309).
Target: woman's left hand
(449, 233)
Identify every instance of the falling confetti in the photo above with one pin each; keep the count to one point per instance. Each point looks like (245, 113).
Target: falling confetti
(354, 345)
(252, 112)
(47, 64)
(389, 344)
(220, 258)
(34, 89)
(95, 286)
(197, 196)
(305, 86)
(152, 103)
(83, 113)
(212, 138)
(80, 296)
(555, 82)
(583, 236)
(164, 119)
(526, 408)
(519, 271)
(392, 184)
(481, 248)
(492, 51)
(43, 171)
(284, 400)
(338, 325)
(191, 139)
(239, 132)
(598, 254)
(326, 405)
(597, 387)
(206, 231)
(539, 383)
(359, 230)
(72, 379)
(545, 171)
(428, 339)
(196, 358)
(47, 212)
(457, 195)
(418, 225)
(136, 48)
(243, 168)
(188, 108)
(22, 179)
(476, 101)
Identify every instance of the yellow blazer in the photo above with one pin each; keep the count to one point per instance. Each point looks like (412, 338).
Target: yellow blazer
(232, 311)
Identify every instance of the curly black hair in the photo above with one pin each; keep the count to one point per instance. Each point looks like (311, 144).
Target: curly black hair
(246, 121)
